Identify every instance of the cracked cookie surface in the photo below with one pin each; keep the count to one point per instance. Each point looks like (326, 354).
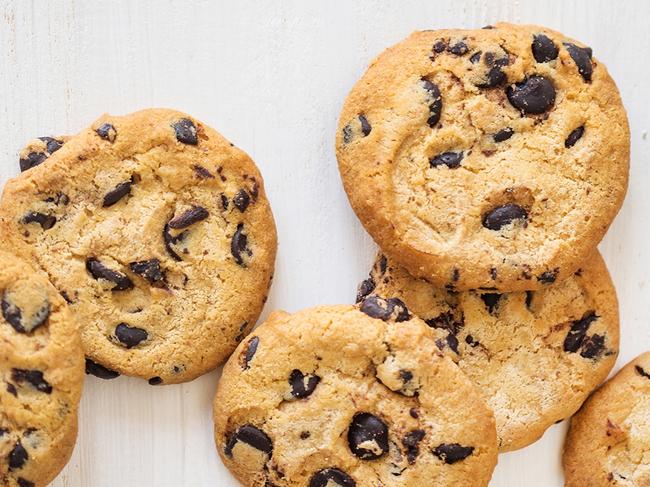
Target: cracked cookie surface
(491, 158)
(535, 356)
(41, 375)
(350, 396)
(608, 443)
(158, 233)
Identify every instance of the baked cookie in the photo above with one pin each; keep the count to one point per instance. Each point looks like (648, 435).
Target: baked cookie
(534, 355)
(41, 375)
(609, 439)
(158, 233)
(340, 396)
(493, 158)
(39, 149)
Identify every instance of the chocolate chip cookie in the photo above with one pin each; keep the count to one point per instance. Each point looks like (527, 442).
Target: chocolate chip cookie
(493, 158)
(343, 396)
(41, 375)
(609, 439)
(158, 233)
(534, 355)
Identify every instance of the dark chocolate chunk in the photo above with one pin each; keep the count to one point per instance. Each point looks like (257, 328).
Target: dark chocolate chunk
(239, 246)
(14, 315)
(368, 436)
(544, 49)
(365, 288)
(495, 76)
(534, 95)
(130, 336)
(11, 389)
(25, 483)
(100, 271)
(185, 131)
(504, 215)
(107, 132)
(224, 202)
(503, 134)
(574, 136)
(529, 298)
(155, 381)
(329, 477)
(98, 370)
(251, 348)
(452, 452)
(641, 371)
(548, 277)
(450, 159)
(304, 435)
(51, 144)
(188, 217)
(435, 105)
(385, 309)
(578, 332)
(458, 49)
(33, 377)
(116, 194)
(202, 172)
(491, 301)
(582, 57)
(33, 159)
(241, 200)
(476, 57)
(252, 436)
(171, 240)
(365, 125)
(302, 385)
(411, 442)
(150, 270)
(439, 46)
(17, 456)
(593, 346)
(45, 221)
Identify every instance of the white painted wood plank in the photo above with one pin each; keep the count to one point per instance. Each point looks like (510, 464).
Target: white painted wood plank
(271, 76)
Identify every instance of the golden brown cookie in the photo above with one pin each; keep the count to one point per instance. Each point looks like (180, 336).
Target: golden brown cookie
(493, 158)
(608, 443)
(41, 375)
(535, 356)
(344, 396)
(158, 232)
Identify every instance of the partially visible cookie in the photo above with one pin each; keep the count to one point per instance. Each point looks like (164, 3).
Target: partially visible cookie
(41, 375)
(158, 233)
(608, 443)
(343, 396)
(535, 356)
(492, 158)
(39, 149)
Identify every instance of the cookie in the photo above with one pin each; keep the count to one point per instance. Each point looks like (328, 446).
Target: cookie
(609, 438)
(343, 396)
(534, 355)
(39, 149)
(158, 233)
(41, 375)
(493, 158)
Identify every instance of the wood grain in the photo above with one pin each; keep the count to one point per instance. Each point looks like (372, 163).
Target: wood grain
(271, 76)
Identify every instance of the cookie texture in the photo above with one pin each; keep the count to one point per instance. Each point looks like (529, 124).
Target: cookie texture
(535, 356)
(609, 438)
(41, 375)
(158, 233)
(493, 158)
(350, 396)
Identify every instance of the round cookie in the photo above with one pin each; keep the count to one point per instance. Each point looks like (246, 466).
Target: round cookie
(41, 375)
(158, 233)
(493, 158)
(609, 439)
(338, 397)
(534, 355)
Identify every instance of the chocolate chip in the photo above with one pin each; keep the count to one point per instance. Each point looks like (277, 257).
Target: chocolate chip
(640, 370)
(411, 442)
(34, 377)
(475, 58)
(51, 144)
(302, 385)
(529, 298)
(13, 314)
(548, 277)
(368, 436)
(452, 452)
(251, 348)
(365, 125)
(155, 381)
(59, 198)
(17, 457)
(534, 95)
(383, 264)
(116, 194)
(251, 436)
(435, 105)
(98, 370)
(202, 172)
(304, 435)
(593, 346)
(544, 49)
(491, 301)
(239, 246)
(574, 136)
(33, 159)
(171, 240)
(188, 217)
(150, 270)
(578, 332)
(100, 271)
(385, 309)
(365, 288)
(503, 134)
(439, 46)
(450, 159)
(329, 477)
(224, 202)
(504, 215)
(130, 336)
(107, 132)
(241, 200)
(495, 76)
(458, 49)
(185, 131)
(471, 341)
(413, 412)
(25, 483)
(582, 57)
(45, 221)
(11, 389)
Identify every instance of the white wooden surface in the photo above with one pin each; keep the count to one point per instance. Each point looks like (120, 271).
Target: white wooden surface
(271, 76)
